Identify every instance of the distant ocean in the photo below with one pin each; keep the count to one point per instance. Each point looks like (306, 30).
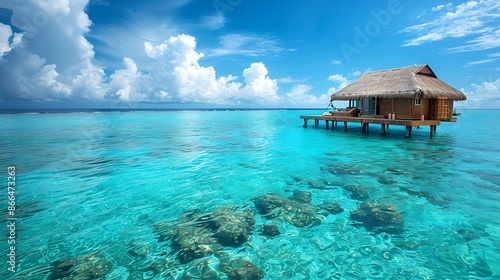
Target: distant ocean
(250, 194)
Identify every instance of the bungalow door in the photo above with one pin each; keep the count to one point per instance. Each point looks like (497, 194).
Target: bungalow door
(369, 106)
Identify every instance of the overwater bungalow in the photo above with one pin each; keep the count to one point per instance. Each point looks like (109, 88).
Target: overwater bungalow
(410, 96)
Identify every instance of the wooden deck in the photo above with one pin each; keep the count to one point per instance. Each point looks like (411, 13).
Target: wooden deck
(366, 121)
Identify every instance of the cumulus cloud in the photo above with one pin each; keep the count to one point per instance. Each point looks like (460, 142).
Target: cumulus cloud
(338, 79)
(51, 59)
(300, 95)
(259, 86)
(472, 19)
(5, 34)
(50, 54)
(483, 95)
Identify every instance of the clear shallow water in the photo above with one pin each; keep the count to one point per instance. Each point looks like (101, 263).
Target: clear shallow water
(94, 185)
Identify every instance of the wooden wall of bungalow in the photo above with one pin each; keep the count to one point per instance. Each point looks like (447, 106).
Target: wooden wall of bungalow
(440, 108)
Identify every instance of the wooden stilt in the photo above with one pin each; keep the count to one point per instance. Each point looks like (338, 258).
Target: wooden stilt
(408, 131)
(365, 123)
(365, 128)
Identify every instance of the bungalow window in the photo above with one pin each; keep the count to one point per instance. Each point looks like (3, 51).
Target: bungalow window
(417, 101)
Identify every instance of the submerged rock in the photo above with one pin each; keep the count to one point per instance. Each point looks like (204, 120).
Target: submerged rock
(379, 217)
(317, 184)
(82, 267)
(271, 230)
(195, 235)
(138, 248)
(341, 169)
(232, 228)
(304, 217)
(409, 245)
(357, 192)
(332, 207)
(302, 196)
(194, 243)
(467, 234)
(268, 203)
(425, 194)
(241, 269)
(297, 212)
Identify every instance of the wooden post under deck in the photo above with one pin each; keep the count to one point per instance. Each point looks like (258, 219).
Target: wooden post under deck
(365, 128)
(433, 130)
(408, 131)
(365, 122)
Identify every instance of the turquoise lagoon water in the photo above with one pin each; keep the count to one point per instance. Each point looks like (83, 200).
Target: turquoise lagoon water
(92, 186)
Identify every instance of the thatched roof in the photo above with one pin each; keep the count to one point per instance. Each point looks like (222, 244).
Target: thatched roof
(408, 82)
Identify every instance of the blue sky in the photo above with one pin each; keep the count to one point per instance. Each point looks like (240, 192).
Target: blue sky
(236, 53)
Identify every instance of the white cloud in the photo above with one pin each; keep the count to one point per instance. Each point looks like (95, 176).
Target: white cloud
(155, 52)
(483, 42)
(358, 73)
(247, 45)
(485, 95)
(50, 53)
(476, 19)
(337, 78)
(437, 8)
(336, 62)
(492, 57)
(260, 87)
(5, 34)
(340, 80)
(423, 39)
(46, 78)
(300, 95)
(290, 80)
(55, 61)
(213, 22)
(124, 82)
(440, 7)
